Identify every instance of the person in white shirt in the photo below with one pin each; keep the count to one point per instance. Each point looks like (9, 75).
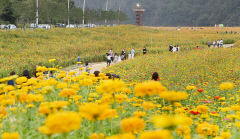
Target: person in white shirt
(111, 54)
(129, 55)
(214, 44)
(115, 58)
(174, 49)
(221, 43)
(132, 53)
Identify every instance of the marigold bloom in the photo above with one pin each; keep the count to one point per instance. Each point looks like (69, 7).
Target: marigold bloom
(149, 88)
(139, 114)
(207, 129)
(122, 136)
(226, 135)
(12, 135)
(67, 92)
(174, 96)
(191, 87)
(148, 105)
(202, 108)
(92, 111)
(21, 80)
(97, 136)
(120, 98)
(168, 121)
(110, 86)
(159, 134)
(200, 90)
(61, 122)
(226, 86)
(132, 124)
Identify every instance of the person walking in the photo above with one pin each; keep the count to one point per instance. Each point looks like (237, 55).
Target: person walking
(123, 55)
(214, 44)
(129, 56)
(221, 43)
(11, 82)
(170, 48)
(108, 57)
(115, 58)
(209, 44)
(87, 67)
(111, 54)
(174, 49)
(144, 50)
(132, 53)
(218, 42)
(178, 48)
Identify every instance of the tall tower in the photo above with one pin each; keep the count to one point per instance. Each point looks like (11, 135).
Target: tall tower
(139, 14)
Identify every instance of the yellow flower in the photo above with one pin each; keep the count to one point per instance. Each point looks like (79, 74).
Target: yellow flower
(122, 136)
(226, 135)
(61, 122)
(207, 129)
(174, 96)
(169, 121)
(184, 131)
(12, 135)
(191, 87)
(110, 86)
(86, 82)
(51, 60)
(97, 136)
(226, 86)
(92, 111)
(132, 124)
(21, 80)
(149, 88)
(139, 114)
(67, 92)
(158, 134)
(8, 88)
(120, 98)
(202, 108)
(148, 105)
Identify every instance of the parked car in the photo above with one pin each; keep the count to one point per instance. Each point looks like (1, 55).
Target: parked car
(71, 26)
(11, 26)
(44, 26)
(60, 25)
(33, 25)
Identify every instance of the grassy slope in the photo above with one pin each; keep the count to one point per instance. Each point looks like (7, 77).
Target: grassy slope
(21, 50)
(178, 70)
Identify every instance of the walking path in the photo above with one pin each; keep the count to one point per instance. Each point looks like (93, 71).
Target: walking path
(99, 66)
(93, 67)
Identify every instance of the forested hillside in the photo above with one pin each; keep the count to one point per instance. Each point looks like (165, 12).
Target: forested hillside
(22, 12)
(158, 12)
(178, 12)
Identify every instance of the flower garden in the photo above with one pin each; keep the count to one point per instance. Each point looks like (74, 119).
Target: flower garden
(197, 95)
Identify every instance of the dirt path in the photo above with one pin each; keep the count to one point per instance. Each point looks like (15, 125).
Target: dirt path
(226, 46)
(93, 67)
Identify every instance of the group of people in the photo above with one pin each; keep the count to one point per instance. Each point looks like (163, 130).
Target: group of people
(218, 43)
(175, 48)
(112, 57)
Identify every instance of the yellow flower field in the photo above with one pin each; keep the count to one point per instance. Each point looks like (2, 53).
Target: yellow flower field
(197, 95)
